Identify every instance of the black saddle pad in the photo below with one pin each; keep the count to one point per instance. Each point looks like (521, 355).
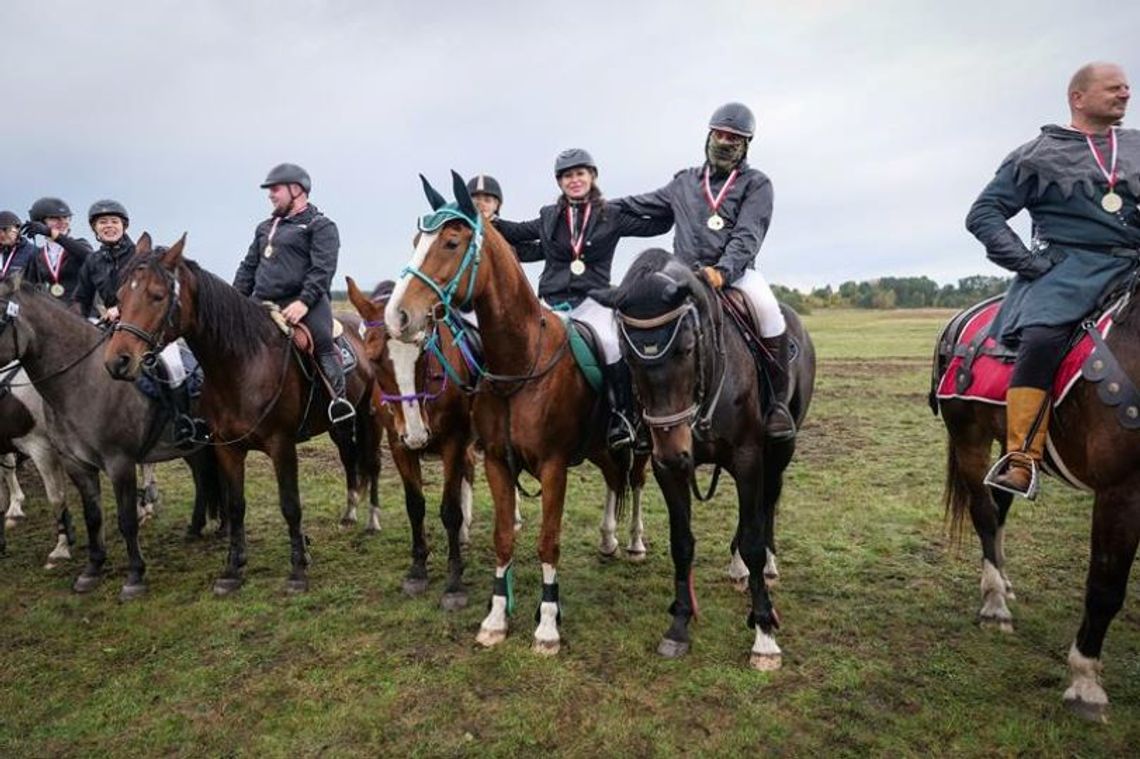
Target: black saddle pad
(348, 357)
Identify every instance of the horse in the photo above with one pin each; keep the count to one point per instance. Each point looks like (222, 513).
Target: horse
(697, 381)
(23, 432)
(259, 393)
(1100, 448)
(534, 409)
(94, 423)
(436, 420)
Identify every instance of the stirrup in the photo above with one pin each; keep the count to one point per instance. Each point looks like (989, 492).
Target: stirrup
(776, 409)
(621, 435)
(190, 431)
(1002, 464)
(340, 410)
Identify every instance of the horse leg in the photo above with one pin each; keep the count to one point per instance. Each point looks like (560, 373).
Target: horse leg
(773, 487)
(51, 470)
(126, 497)
(148, 497)
(16, 498)
(609, 545)
(757, 501)
(451, 513)
(635, 549)
(674, 484)
(494, 627)
(349, 452)
(283, 452)
(408, 465)
(547, 640)
(1002, 500)
(737, 569)
(371, 463)
(86, 482)
(231, 468)
(1115, 533)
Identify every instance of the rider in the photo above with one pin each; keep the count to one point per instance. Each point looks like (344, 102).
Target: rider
(100, 274)
(1080, 184)
(722, 210)
(487, 195)
(576, 237)
(61, 256)
(291, 262)
(16, 251)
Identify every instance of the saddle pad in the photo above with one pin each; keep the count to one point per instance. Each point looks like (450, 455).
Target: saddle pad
(583, 346)
(991, 374)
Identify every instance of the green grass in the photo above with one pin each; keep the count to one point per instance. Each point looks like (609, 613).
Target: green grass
(881, 653)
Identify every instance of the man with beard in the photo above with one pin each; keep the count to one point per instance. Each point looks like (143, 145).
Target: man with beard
(721, 211)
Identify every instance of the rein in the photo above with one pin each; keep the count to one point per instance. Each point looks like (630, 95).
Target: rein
(8, 319)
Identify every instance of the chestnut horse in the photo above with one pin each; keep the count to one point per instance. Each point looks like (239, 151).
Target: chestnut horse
(534, 409)
(697, 380)
(257, 395)
(1098, 451)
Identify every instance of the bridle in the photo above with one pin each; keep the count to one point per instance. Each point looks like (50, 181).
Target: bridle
(9, 318)
(157, 340)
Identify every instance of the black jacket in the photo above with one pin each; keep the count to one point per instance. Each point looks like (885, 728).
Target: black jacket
(607, 225)
(17, 257)
(101, 276)
(302, 264)
(75, 252)
(746, 210)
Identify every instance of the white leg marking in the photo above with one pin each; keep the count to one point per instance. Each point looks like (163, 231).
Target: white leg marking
(609, 542)
(738, 571)
(16, 496)
(61, 552)
(493, 630)
(636, 548)
(771, 571)
(518, 512)
(994, 612)
(546, 638)
(1086, 690)
(766, 655)
(466, 499)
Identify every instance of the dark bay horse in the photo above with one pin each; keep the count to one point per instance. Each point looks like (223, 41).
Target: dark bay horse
(257, 394)
(426, 413)
(1099, 452)
(697, 382)
(534, 410)
(95, 423)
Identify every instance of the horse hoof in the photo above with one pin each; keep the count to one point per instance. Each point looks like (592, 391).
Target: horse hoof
(131, 592)
(1000, 624)
(770, 582)
(739, 584)
(453, 601)
(347, 524)
(634, 557)
(296, 585)
(1086, 710)
(224, 586)
(372, 529)
(672, 649)
(546, 647)
(764, 662)
(489, 638)
(415, 586)
(86, 583)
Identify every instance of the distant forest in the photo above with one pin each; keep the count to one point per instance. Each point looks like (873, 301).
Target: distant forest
(883, 293)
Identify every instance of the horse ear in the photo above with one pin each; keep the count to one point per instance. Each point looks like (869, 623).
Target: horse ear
(359, 300)
(436, 200)
(144, 245)
(172, 257)
(462, 197)
(675, 291)
(610, 297)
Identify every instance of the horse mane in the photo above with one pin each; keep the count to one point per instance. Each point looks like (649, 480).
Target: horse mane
(228, 319)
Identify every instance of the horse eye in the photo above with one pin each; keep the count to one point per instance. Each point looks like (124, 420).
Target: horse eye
(451, 244)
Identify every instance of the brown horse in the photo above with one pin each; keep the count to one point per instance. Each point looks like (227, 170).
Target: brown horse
(1098, 451)
(435, 419)
(534, 411)
(257, 394)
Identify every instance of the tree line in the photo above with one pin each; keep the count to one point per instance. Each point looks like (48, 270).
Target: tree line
(895, 292)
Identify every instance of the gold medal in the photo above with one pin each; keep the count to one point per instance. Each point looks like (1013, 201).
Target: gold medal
(715, 222)
(1112, 202)
(268, 251)
(56, 290)
(577, 267)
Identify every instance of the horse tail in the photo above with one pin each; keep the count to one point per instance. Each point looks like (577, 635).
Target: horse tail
(956, 495)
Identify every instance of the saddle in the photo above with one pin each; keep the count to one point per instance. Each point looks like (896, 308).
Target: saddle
(586, 349)
(303, 338)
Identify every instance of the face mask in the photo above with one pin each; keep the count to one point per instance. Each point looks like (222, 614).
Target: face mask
(723, 157)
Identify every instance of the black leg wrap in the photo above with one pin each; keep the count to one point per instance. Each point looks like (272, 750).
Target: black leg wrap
(549, 595)
(683, 605)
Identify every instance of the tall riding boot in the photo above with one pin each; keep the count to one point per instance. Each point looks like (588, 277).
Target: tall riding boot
(340, 410)
(778, 421)
(1025, 445)
(619, 393)
(187, 430)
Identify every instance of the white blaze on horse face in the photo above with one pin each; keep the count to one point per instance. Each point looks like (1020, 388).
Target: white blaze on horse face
(404, 357)
(392, 311)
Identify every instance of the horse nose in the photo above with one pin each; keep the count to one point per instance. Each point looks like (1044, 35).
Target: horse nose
(117, 366)
(404, 319)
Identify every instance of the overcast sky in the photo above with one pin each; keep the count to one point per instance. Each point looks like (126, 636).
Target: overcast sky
(879, 121)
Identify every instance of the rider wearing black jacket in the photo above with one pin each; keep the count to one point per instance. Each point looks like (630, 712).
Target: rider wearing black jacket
(102, 271)
(59, 256)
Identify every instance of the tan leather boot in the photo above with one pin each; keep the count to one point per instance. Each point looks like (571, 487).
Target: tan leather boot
(1024, 404)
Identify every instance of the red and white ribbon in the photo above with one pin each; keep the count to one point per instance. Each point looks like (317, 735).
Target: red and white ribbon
(714, 203)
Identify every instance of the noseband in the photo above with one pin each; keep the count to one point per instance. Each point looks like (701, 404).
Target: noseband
(155, 340)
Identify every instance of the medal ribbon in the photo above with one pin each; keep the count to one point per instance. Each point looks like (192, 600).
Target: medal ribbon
(1109, 173)
(714, 203)
(10, 259)
(58, 267)
(576, 244)
(272, 231)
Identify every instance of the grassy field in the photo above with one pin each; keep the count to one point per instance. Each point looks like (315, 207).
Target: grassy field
(881, 652)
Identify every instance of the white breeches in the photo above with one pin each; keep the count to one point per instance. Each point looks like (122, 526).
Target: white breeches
(601, 319)
(753, 284)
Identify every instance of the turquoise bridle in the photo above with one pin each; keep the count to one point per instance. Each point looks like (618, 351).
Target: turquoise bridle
(433, 222)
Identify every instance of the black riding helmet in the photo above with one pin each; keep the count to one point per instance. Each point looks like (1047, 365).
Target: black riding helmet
(486, 184)
(288, 173)
(735, 118)
(9, 219)
(45, 207)
(107, 208)
(572, 159)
